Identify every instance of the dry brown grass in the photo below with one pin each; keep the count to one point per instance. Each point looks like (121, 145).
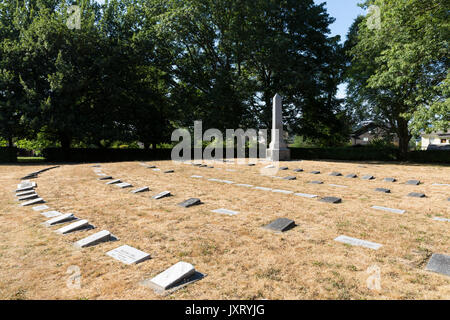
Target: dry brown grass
(241, 260)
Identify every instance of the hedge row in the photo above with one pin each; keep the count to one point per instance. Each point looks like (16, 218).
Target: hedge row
(343, 153)
(8, 154)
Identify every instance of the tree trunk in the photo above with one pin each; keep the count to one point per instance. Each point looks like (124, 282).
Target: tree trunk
(146, 145)
(403, 139)
(66, 141)
(10, 142)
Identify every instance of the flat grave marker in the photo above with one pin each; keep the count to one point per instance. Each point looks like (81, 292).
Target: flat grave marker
(383, 190)
(94, 239)
(441, 219)
(305, 195)
(31, 202)
(114, 181)
(439, 263)
(60, 219)
(244, 185)
(105, 178)
(389, 179)
(315, 172)
(280, 225)
(24, 189)
(337, 185)
(316, 182)
(190, 202)
(176, 276)
(28, 197)
(263, 188)
(225, 211)
(416, 195)
(162, 195)
(128, 255)
(298, 170)
(336, 174)
(368, 177)
(123, 185)
(441, 184)
(283, 168)
(75, 226)
(413, 182)
(169, 171)
(139, 190)
(399, 211)
(196, 177)
(351, 175)
(358, 242)
(331, 200)
(290, 178)
(41, 208)
(282, 191)
(227, 181)
(51, 214)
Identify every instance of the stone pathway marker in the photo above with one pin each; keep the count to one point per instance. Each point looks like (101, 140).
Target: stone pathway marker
(358, 242)
(143, 189)
(416, 195)
(123, 185)
(75, 226)
(169, 278)
(162, 195)
(383, 190)
(351, 175)
(413, 182)
(439, 263)
(388, 209)
(31, 202)
(290, 178)
(96, 238)
(331, 200)
(389, 179)
(40, 208)
(225, 211)
(114, 181)
(190, 202)
(60, 219)
(368, 177)
(51, 214)
(305, 195)
(280, 225)
(128, 255)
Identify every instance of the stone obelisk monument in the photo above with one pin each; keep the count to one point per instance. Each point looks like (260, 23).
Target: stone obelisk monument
(278, 150)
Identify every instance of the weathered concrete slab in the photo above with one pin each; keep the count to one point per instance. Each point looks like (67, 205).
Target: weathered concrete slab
(280, 225)
(416, 195)
(439, 263)
(190, 202)
(358, 242)
(413, 182)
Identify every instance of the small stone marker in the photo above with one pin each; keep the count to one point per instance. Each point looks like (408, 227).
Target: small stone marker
(441, 184)
(26, 184)
(105, 178)
(337, 185)
(75, 226)
(128, 255)
(439, 263)
(315, 172)
(40, 208)
(316, 182)
(96, 238)
(290, 178)
(441, 219)
(336, 174)
(60, 219)
(413, 182)
(114, 181)
(244, 185)
(389, 179)
(175, 275)
(383, 190)
(230, 170)
(156, 169)
(331, 200)
(280, 225)
(416, 195)
(25, 193)
(298, 170)
(388, 209)
(282, 191)
(123, 185)
(143, 189)
(251, 164)
(351, 175)
(31, 202)
(28, 197)
(225, 211)
(102, 174)
(263, 188)
(283, 168)
(227, 181)
(358, 242)
(368, 177)
(202, 166)
(215, 180)
(270, 166)
(51, 214)
(305, 195)
(24, 189)
(151, 167)
(197, 177)
(169, 171)
(190, 202)
(162, 195)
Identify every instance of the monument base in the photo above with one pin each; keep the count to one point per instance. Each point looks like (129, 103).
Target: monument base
(283, 154)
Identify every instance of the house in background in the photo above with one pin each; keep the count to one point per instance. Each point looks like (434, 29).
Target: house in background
(435, 141)
(369, 132)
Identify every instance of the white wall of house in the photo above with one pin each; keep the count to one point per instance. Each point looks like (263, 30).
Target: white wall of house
(435, 140)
